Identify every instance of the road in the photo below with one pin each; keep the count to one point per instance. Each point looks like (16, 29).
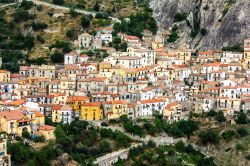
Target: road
(80, 11)
(9, 4)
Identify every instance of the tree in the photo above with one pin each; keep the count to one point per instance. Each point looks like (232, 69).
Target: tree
(19, 152)
(220, 117)
(28, 41)
(241, 118)
(73, 13)
(105, 133)
(209, 136)
(104, 147)
(26, 5)
(39, 26)
(96, 7)
(211, 113)
(187, 127)
(180, 146)
(60, 135)
(85, 21)
(26, 134)
(203, 31)
(70, 33)
(58, 2)
(180, 16)
(122, 140)
(21, 15)
(57, 57)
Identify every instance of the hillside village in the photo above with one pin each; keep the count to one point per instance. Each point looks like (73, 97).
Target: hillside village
(137, 76)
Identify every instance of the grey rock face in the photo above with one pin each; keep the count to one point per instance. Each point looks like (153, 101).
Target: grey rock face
(230, 30)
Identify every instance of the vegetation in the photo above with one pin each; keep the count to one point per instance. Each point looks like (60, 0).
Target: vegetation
(180, 16)
(220, 117)
(57, 57)
(209, 136)
(228, 135)
(58, 2)
(174, 34)
(148, 154)
(80, 140)
(206, 7)
(138, 22)
(39, 26)
(119, 45)
(85, 21)
(203, 31)
(241, 118)
(235, 48)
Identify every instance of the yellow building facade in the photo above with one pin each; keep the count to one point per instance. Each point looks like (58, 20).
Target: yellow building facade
(91, 111)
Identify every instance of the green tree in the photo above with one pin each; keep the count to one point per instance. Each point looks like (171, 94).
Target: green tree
(57, 57)
(209, 136)
(19, 152)
(220, 117)
(85, 21)
(104, 147)
(187, 127)
(60, 134)
(242, 132)
(228, 135)
(122, 140)
(58, 2)
(203, 31)
(73, 13)
(105, 133)
(180, 16)
(71, 33)
(241, 118)
(180, 146)
(26, 134)
(96, 7)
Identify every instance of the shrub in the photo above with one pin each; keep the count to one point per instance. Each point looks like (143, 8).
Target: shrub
(71, 33)
(206, 7)
(180, 146)
(240, 147)
(58, 2)
(73, 13)
(40, 39)
(241, 118)
(104, 124)
(194, 33)
(220, 117)
(211, 113)
(21, 15)
(39, 139)
(26, 134)
(85, 21)
(228, 135)
(39, 26)
(203, 31)
(224, 12)
(26, 5)
(209, 136)
(242, 132)
(96, 7)
(180, 16)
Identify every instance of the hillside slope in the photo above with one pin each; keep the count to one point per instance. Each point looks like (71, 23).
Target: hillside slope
(223, 22)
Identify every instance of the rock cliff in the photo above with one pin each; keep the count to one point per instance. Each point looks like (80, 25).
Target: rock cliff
(223, 22)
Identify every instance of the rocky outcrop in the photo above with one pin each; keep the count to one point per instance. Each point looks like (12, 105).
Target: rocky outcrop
(225, 30)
